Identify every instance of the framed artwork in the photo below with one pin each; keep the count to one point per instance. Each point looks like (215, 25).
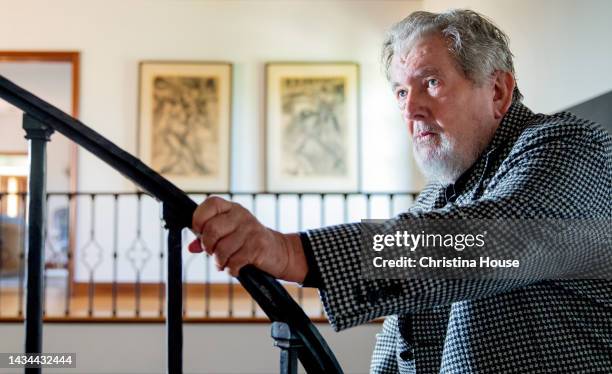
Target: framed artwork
(312, 132)
(184, 122)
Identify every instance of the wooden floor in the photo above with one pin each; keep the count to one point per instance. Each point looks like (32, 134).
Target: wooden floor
(224, 304)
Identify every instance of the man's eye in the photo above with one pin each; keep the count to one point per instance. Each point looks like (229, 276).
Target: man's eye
(432, 83)
(401, 94)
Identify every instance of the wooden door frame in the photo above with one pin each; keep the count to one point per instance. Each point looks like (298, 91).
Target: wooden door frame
(74, 59)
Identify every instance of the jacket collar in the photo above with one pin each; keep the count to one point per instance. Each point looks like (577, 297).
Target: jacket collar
(513, 123)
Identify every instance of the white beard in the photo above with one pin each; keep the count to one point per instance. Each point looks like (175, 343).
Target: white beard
(442, 159)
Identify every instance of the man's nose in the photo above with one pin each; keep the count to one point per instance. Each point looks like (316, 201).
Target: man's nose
(415, 107)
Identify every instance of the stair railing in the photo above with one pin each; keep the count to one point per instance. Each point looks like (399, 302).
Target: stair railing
(292, 330)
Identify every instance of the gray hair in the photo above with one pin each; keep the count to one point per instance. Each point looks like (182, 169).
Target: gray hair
(478, 46)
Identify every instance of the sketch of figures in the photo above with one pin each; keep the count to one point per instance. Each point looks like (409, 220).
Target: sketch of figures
(185, 126)
(184, 129)
(314, 127)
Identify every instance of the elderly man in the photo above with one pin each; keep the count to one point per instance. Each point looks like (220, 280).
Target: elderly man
(487, 156)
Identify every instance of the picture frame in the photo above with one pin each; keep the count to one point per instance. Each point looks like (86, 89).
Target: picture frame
(184, 125)
(312, 127)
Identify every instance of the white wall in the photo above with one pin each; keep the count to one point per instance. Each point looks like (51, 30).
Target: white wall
(114, 36)
(208, 348)
(561, 47)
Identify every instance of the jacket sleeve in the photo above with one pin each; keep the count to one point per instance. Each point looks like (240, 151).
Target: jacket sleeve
(555, 173)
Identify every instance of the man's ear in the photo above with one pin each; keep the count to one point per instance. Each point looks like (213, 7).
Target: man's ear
(503, 88)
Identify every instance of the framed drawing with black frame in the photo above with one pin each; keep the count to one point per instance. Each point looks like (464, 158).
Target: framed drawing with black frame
(312, 133)
(184, 122)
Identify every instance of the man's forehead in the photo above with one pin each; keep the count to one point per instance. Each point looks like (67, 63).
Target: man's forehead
(417, 67)
(427, 56)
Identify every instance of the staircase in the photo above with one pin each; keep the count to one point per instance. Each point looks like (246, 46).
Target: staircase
(292, 330)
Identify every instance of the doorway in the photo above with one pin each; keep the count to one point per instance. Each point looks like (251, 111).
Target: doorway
(54, 77)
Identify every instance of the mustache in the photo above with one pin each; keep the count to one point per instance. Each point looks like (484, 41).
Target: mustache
(429, 127)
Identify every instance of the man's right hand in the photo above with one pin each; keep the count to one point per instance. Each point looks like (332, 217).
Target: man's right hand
(235, 238)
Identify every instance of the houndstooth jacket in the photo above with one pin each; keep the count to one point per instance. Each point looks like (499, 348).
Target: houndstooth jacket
(550, 166)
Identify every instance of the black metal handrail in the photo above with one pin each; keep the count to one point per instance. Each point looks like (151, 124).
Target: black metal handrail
(40, 119)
